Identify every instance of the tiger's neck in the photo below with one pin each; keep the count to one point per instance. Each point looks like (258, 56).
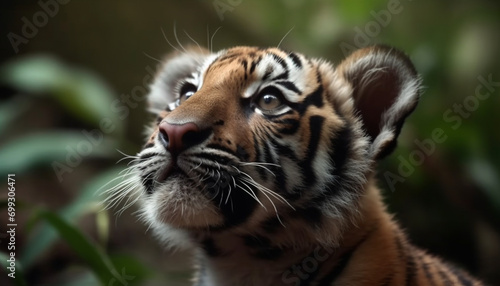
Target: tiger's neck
(292, 256)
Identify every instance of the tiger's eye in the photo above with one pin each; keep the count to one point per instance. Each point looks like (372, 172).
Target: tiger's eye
(187, 90)
(185, 96)
(269, 102)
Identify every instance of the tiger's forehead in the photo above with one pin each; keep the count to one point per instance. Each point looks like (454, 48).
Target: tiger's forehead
(251, 68)
(250, 55)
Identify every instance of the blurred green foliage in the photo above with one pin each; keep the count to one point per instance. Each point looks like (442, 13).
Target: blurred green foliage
(79, 91)
(449, 201)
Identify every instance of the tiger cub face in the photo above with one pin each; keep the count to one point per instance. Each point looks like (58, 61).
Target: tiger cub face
(252, 138)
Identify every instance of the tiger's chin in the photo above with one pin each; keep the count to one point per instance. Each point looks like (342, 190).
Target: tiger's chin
(180, 203)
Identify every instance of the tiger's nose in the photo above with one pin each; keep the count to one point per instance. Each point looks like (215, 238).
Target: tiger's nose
(179, 137)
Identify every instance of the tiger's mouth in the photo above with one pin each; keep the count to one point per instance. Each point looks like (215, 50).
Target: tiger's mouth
(170, 170)
(210, 189)
(161, 176)
(208, 179)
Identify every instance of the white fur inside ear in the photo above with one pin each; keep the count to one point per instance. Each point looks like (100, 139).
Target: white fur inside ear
(385, 88)
(405, 101)
(403, 105)
(385, 137)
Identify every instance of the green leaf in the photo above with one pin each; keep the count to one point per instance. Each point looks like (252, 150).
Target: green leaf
(132, 270)
(102, 224)
(486, 176)
(66, 148)
(89, 193)
(354, 10)
(88, 251)
(11, 110)
(44, 237)
(19, 279)
(84, 279)
(81, 92)
(34, 74)
(19, 204)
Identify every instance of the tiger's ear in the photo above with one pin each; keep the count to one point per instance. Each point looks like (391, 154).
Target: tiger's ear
(175, 67)
(385, 89)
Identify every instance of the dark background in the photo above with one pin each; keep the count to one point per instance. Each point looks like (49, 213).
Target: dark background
(63, 116)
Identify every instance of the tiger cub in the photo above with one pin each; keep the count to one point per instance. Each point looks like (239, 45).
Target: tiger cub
(263, 160)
